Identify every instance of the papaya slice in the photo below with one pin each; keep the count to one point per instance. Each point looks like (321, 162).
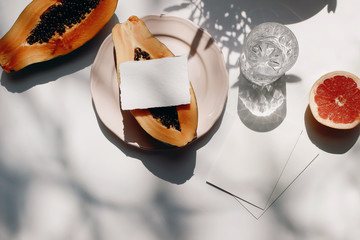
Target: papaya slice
(49, 28)
(175, 125)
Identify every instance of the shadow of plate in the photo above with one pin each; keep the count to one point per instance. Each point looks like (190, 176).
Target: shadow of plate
(174, 165)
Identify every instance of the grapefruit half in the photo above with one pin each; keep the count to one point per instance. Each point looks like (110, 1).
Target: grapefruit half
(335, 100)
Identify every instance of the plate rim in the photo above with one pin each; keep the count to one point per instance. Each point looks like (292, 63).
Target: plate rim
(194, 27)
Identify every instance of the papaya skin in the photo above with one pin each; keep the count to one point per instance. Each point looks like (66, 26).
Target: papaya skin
(16, 53)
(134, 34)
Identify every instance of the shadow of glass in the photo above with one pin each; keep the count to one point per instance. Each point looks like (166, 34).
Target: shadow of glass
(262, 109)
(48, 71)
(229, 22)
(336, 141)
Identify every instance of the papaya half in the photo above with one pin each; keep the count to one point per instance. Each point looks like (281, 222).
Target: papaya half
(49, 28)
(174, 125)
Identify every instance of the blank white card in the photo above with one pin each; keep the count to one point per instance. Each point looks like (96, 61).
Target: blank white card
(250, 167)
(154, 83)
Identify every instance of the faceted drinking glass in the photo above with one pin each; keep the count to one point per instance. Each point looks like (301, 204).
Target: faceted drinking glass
(269, 51)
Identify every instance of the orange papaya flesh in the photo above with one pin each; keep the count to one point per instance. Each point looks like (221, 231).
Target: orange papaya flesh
(175, 125)
(49, 28)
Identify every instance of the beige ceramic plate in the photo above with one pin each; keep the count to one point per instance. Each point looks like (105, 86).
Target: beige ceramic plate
(207, 73)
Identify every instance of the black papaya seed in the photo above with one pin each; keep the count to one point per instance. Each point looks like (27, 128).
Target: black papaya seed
(60, 16)
(168, 116)
(140, 54)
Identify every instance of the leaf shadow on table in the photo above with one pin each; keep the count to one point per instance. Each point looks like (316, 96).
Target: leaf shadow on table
(172, 164)
(229, 22)
(336, 141)
(51, 70)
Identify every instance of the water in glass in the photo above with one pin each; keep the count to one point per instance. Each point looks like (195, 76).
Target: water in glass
(270, 50)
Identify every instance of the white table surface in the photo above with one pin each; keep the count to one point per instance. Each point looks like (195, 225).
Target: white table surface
(63, 175)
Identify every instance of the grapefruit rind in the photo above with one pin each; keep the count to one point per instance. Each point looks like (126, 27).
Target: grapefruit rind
(314, 107)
